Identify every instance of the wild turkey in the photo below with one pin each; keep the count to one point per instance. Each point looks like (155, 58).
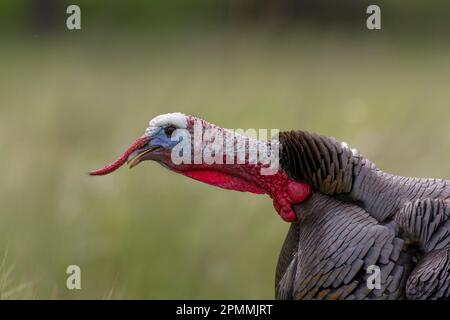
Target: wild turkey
(346, 215)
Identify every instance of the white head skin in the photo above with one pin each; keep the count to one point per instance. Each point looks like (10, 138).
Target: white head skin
(176, 119)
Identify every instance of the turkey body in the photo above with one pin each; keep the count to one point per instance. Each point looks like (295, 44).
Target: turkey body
(359, 217)
(357, 232)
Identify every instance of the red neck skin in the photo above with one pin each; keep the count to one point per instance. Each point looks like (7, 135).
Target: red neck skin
(247, 178)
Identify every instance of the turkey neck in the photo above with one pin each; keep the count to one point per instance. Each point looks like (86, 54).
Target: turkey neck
(245, 172)
(332, 168)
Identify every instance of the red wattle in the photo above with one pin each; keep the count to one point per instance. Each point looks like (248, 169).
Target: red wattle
(284, 191)
(298, 192)
(219, 179)
(294, 193)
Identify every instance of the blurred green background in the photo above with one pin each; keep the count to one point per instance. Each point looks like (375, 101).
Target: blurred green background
(74, 100)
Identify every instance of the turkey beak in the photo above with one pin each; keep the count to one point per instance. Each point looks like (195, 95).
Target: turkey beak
(141, 154)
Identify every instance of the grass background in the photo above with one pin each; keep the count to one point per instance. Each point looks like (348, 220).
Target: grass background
(73, 103)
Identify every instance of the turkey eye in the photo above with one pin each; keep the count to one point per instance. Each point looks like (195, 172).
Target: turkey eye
(169, 130)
